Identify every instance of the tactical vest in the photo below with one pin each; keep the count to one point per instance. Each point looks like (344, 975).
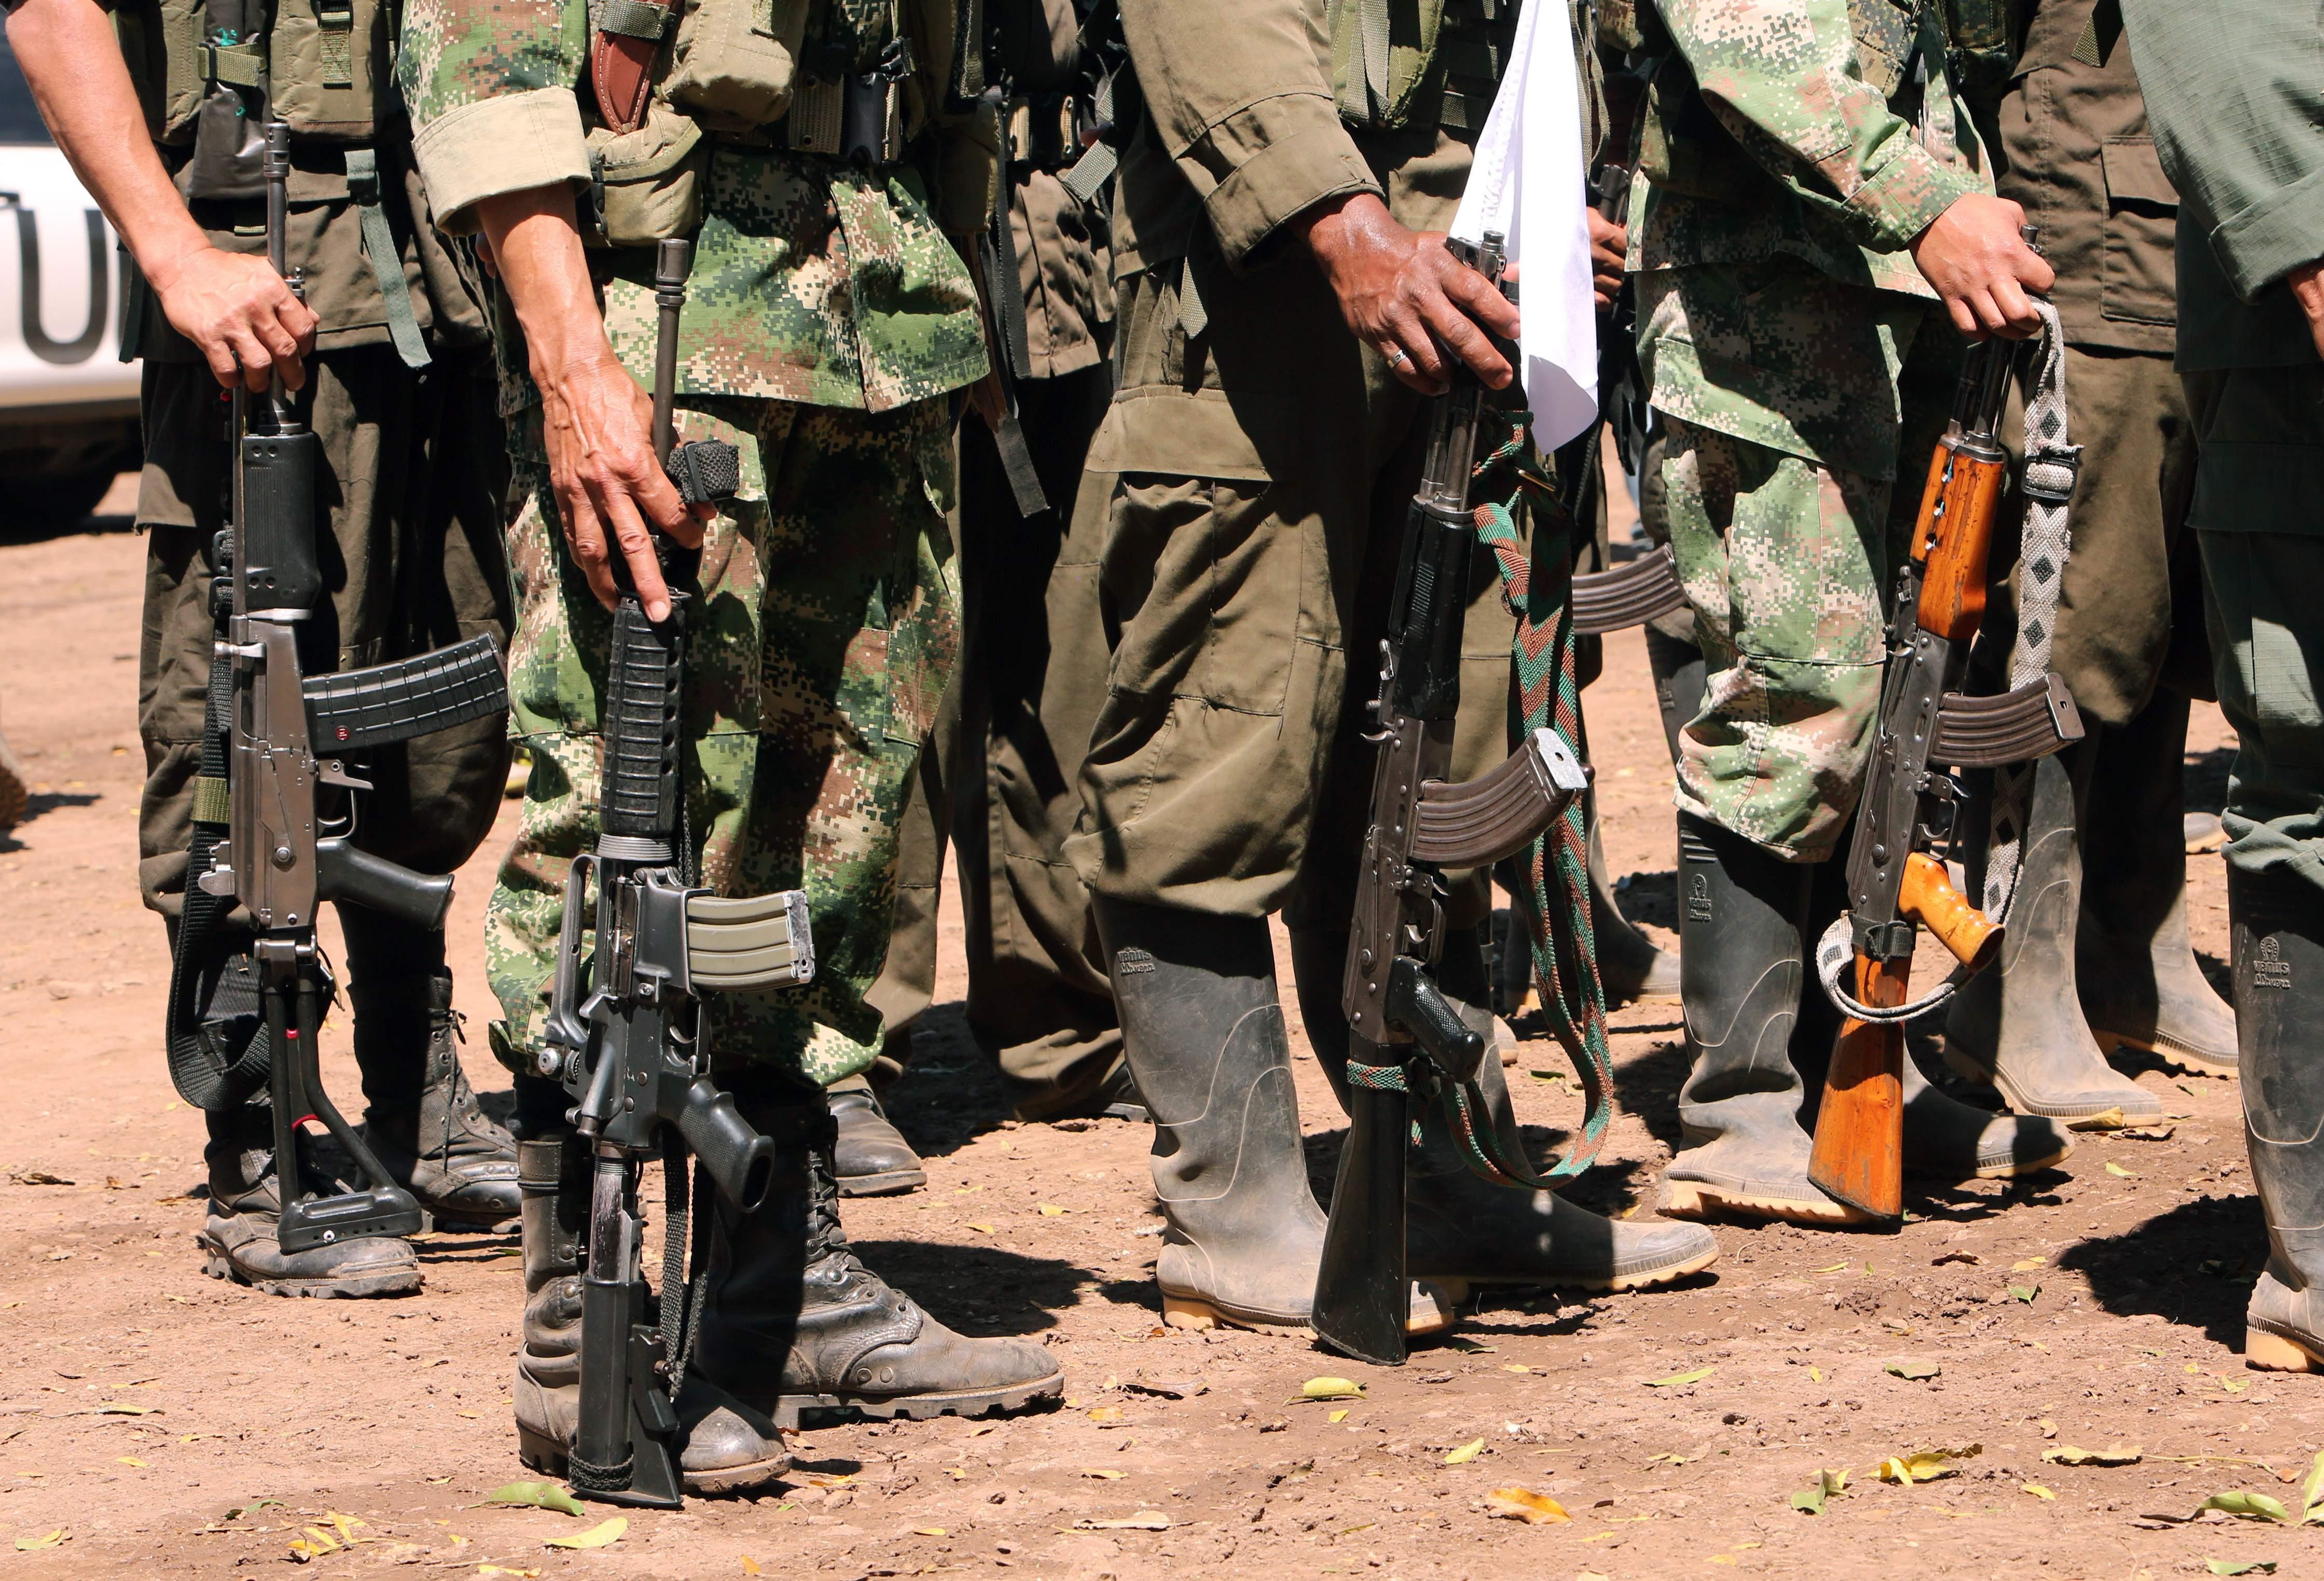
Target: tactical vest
(1418, 64)
(209, 72)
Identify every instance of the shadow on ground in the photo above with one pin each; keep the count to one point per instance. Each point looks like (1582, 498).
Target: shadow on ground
(2193, 1266)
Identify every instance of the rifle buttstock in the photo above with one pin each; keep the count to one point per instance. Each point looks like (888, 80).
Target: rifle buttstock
(1859, 1157)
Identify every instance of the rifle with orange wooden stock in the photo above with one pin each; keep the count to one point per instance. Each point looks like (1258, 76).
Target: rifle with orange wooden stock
(1896, 878)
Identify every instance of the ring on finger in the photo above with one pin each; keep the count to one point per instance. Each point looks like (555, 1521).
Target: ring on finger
(1396, 356)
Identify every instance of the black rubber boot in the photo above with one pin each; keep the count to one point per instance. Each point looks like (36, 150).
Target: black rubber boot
(237, 1235)
(2139, 981)
(1742, 965)
(870, 1158)
(792, 1323)
(2278, 923)
(1630, 965)
(1460, 1228)
(727, 1447)
(420, 1115)
(2018, 1023)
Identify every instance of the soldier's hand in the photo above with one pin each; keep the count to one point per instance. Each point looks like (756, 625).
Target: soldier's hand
(1977, 263)
(1403, 294)
(598, 426)
(2307, 291)
(1610, 249)
(240, 314)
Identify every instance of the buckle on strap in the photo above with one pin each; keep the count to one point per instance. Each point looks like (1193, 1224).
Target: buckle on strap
(2050, 473)
(235, 65)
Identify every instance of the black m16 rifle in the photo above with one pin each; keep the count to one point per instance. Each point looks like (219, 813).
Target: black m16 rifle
(1404, 1036)
(627, 1032)
(281, 766)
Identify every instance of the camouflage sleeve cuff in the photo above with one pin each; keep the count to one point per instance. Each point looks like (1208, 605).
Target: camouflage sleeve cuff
(1907, 197)
(511, 142)
(1269, 162)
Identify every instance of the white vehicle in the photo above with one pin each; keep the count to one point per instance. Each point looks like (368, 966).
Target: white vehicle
(67, 402)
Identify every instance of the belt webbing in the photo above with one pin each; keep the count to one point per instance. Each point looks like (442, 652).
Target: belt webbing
(386, 258)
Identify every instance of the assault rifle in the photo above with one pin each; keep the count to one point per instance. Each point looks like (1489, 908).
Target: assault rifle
(1399, 1019)
(1905, 825)
(276, 740)
(627, 1035)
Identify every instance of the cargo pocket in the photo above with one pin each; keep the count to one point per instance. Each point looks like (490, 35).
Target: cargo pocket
(2136, 278)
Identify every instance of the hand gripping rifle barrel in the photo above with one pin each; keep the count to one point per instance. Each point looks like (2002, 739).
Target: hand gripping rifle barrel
(285, 857)
(1404, 1036)
(627, 1032)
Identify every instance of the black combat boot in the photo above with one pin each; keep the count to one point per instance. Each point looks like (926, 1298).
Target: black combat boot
(420, 1115)
(727, 1447)
(793, 1323)
(872, 1158)
(2278, 923)
(1203, 1029)
(2018, 1023)
(2140, 984)
(237, 1238)
(1460, 1228)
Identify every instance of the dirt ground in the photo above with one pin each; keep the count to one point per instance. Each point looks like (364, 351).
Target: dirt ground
(166, 1424)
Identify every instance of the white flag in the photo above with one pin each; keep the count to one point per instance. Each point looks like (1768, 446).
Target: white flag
(1527, 184)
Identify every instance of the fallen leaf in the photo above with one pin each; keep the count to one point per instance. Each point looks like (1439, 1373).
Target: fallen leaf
(1169, 1388)
(2111, 1455)
(2027, 1264)
(1050, 1210)
(1524, 1505)
(1725, 1559)
(1107, 1475)
(312, 1544)
(25, 1544)
(927, 1532)
(1833, 1269)
(130, 1460)
(1331, 1389)
(1465, 1453)
(2114, 1169)
(1144, 1521)
(2311, 1492)
(2104, 1120)
(2240, 1567)
(1104, 1415)
(750, 1566)
(505, 1570)
(982, 1228)
(1815, 1374)
(1340, 1415)
(1925, 1465)
(540, 1495)
(1676, 1379)
(115, 1408)
(2246, 1506)
(602, 1535)
(1970, 1257)
(2038, 1490)
(1919, 1372)
(1514, 1367)
(39, 1177)
(2026, 1292)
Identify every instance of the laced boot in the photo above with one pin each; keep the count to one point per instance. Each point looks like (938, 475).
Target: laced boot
(1460, 1228)
(2139, 982)
(792, 1323)
(2018, 1023)
(238, 1237)
(421, 1117)
(727, 1447)
(872, 1158)
(1202, 1030)
(2278, 923)
(1742, 965)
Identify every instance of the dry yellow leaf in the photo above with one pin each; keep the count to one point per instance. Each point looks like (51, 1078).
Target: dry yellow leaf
(2027, 1264)
(1107, 1475)
(1331, 1389)
(602, 1535)
(129, 1460)
(1050, 1210)
(1815, 1374)
(2038, 1490)
(1105, 1413)
(1340, 1415)
(982, 1228)
(1524, 1505)
(927, 1532)
(1466, 1453)
(1514, 1367)
(25, 1544)
(751, 1565)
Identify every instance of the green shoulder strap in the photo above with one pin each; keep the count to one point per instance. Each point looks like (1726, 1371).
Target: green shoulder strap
(386, 261)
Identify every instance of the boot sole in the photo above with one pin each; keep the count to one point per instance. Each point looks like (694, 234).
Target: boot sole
(1199, 1314)
(218, 1267)
(1968, 1066)
(788, 1409)
(891, 1183)
(2168, 1049)
(2271, 1351)
(1605, 1283)
(547, 1456)
(1696, 1199)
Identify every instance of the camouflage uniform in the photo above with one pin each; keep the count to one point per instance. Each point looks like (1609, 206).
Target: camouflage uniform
(827, 316)
(1794, 354)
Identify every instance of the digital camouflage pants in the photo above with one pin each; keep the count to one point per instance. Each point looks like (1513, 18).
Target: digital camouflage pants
(817, 649)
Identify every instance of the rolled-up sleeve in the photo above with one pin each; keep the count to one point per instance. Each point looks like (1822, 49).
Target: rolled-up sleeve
(1782, 77)
(1239, 93)
(490, 87)
(2238, 120)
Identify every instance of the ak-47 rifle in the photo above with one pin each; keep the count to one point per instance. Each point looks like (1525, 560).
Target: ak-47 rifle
(1896, 878)
(1404, 1035)
(627, 1035)
(284, 747)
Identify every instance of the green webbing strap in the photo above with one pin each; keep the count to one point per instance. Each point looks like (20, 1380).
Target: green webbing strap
(1364, 99)
(386, 259)
(2099, 33)
(213, 801)
(1193, 317)
(635, 19)
(1565, 958)
(235, 65)
(336, 23)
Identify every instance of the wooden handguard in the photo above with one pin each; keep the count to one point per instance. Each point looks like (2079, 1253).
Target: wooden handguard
(1954, 533)
(1859, 1157)
(1928, 898)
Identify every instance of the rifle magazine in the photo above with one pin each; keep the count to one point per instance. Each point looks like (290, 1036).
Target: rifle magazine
(1646, 589)
(755, 942)
(1477, 822)
(356, 709)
